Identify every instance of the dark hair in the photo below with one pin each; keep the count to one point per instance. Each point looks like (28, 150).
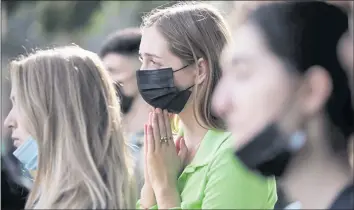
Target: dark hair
(305, 34)
(125, 42)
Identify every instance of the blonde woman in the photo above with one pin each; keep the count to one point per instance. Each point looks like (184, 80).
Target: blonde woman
(66, 101)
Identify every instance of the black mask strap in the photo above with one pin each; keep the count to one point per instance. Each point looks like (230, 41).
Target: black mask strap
(189, 87)
(181, 68)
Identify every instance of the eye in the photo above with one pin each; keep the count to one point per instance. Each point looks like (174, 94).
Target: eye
(242, 72)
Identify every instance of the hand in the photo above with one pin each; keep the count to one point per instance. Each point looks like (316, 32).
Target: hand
(147, 195)
(163, 161)
(182, 151)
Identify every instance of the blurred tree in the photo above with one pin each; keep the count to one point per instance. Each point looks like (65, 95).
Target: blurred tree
(59, 16)
(67, 16)
(10, 6)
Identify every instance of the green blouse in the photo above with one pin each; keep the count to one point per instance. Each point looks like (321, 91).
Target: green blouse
(215, 179)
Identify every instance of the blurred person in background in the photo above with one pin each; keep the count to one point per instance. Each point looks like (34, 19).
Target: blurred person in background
(67, 103)
(345, 51)
(120, 55)
(180, 50)
(14, 190)
(286, 99)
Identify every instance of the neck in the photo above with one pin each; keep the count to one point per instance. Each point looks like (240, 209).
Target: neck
(192, 131)
(137, 116)
(315, 176)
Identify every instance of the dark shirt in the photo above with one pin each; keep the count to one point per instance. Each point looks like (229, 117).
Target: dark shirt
(345, 199)
(13, 196)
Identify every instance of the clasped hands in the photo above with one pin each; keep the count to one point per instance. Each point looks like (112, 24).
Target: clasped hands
(164, 161)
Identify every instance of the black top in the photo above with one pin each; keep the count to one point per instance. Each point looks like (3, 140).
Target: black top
(345, 200)
(13, 196)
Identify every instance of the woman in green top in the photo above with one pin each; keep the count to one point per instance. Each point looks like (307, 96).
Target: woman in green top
(180, 50)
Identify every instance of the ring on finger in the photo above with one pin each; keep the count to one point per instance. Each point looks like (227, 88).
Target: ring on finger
(164, 139)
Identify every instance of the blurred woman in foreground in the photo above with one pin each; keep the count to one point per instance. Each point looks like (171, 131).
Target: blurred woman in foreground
(285, 97)
(66, 101)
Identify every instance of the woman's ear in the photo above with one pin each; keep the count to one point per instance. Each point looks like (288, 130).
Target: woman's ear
(317, 89)
(202, 71)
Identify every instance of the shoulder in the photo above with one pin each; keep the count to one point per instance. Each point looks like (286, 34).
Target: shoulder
(224, 160)
(227, 166)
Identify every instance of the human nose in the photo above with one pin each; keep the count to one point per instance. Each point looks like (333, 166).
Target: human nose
(144, 64)
(9, 121)
(220, 100)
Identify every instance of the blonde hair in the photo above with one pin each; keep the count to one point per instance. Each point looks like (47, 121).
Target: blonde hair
(195, 30)
(68, 103)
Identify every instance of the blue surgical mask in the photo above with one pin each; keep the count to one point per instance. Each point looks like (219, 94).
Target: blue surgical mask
(27, 154)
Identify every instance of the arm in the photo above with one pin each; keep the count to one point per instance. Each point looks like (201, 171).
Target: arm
(231, 186)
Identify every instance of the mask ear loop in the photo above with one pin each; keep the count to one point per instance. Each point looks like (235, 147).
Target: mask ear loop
(181, 68)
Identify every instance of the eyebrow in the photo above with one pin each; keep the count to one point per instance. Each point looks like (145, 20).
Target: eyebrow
(238, 59)
(149, 54)
(110, 69)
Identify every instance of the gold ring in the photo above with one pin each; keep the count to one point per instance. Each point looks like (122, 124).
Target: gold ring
(164, 139)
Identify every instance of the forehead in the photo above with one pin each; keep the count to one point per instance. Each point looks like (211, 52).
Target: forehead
(114, 59)
(153, 42)
(247, 43)
(12, 92)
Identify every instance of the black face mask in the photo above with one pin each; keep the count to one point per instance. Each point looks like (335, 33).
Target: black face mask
(158, 89)
(270, 151)
(125, 101)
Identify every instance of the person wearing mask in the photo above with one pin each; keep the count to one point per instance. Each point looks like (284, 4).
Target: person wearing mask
(346, 44)
(180, 50)
(345, 53)
(66, 101)
(120, 55)
(286, 99)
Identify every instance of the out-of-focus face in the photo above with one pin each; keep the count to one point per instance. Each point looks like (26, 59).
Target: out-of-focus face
(155, 54)
(254, 86)
(13, 122)
(122, 69)
(346, 46)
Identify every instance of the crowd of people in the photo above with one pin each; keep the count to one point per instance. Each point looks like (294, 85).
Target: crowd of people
(190, 112)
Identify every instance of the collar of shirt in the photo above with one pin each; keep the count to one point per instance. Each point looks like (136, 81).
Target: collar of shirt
(210, 144)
